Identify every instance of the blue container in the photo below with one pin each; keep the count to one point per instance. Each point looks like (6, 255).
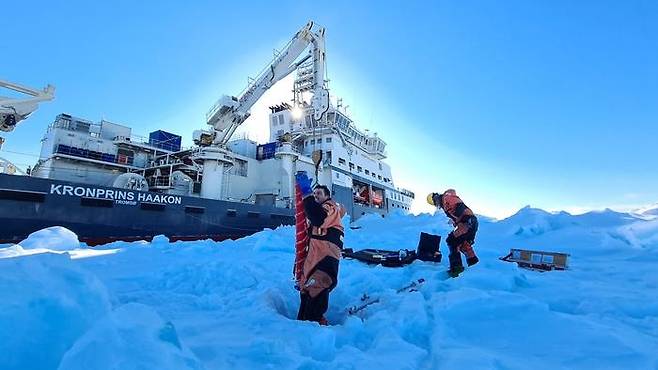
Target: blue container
(165, 140)
(266, 151)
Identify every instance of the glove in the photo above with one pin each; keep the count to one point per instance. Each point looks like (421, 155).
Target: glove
(304, 183)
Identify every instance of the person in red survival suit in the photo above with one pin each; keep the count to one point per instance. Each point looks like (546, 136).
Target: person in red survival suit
(462, 237)
(320, 270)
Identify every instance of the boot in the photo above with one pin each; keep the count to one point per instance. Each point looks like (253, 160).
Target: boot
(323, 321)
(472, 261)
(455, 271)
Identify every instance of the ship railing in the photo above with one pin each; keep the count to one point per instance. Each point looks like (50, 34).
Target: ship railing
(135, 139)
(294, 148)
(9, 168)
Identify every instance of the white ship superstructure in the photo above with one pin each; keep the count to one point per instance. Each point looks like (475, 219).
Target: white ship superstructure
(352, 163)
(352, 160)
(129, 187)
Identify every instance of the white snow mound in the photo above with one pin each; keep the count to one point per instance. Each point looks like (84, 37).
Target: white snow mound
(48, 302)
(55, 238)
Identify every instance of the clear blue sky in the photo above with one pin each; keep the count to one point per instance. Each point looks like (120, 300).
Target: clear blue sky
(547, 103)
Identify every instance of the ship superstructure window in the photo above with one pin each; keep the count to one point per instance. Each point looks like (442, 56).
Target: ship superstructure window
(359, 168)
(279, 132)
(341, 121)
(379, 177)
(341, 161)
(251, 214)
(367, 172)
(240, 167)
(281, 119)
(320, 141)
(351, 166)
(328, 140)
(312, 141)
(331, 117)
(231, 212)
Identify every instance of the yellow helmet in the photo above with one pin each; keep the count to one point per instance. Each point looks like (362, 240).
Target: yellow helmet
(430, 199)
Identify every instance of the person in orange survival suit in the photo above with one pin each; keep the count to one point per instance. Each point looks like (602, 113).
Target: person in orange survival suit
(320, 270)
(462, 237)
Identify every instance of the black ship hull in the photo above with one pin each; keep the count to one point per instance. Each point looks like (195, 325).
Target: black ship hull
(99, 214)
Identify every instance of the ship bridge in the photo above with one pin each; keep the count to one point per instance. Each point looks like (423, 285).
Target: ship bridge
(371, 144)
(284, 119)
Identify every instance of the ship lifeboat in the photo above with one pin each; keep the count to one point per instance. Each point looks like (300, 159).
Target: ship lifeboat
(377, 198)
(361, 195)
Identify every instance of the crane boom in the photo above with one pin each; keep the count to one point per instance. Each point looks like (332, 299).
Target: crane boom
(14, 110)
(230, 112)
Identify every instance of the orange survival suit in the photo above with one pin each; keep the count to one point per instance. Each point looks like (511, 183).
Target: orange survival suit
(320, 271)
(462, 237)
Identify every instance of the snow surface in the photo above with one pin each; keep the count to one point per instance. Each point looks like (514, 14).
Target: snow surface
(649, 211)
(193, 305)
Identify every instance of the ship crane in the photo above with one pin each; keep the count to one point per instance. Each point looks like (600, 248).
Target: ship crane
(14, 110)
(230, 112)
